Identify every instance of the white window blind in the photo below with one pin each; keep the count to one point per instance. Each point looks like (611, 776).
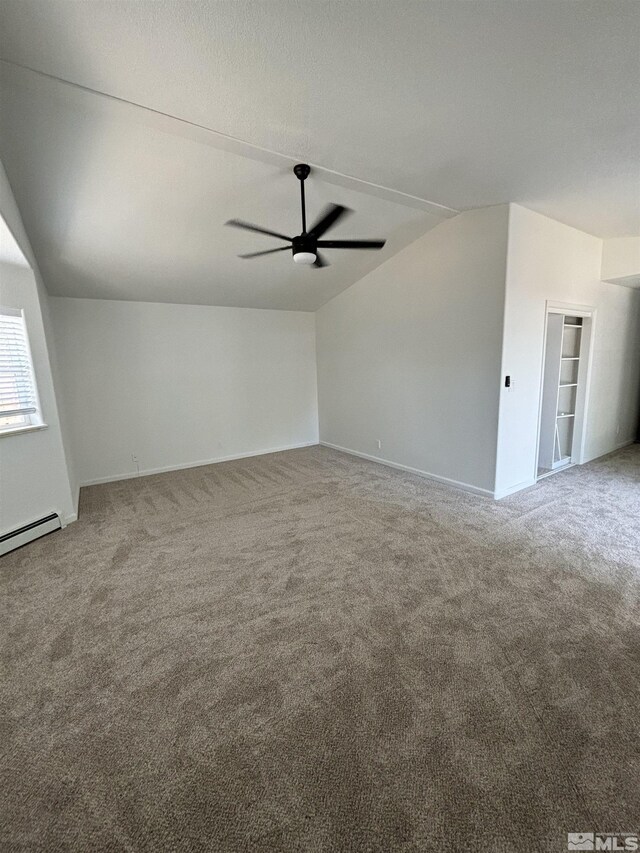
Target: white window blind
(18, 395)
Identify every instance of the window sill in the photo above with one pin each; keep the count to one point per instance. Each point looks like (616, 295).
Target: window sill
(19, 430)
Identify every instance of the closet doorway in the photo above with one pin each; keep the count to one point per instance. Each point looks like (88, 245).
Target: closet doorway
(564, 387)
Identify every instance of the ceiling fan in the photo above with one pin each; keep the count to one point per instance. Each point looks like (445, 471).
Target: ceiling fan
(305, 246)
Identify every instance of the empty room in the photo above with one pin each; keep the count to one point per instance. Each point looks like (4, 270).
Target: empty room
(319, 426)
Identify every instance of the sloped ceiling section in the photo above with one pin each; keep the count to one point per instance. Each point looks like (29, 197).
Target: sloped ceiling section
(121, 203)
(462, 104)
(10, 251)
(467, 104)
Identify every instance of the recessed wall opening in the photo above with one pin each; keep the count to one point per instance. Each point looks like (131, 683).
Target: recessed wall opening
(564, 387)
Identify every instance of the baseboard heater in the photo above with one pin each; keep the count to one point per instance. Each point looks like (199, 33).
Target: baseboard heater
(29, 532)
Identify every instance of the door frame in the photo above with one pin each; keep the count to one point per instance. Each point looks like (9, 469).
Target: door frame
(588, 314)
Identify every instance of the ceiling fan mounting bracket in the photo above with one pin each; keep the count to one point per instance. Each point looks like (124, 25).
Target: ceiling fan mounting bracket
(302, 171)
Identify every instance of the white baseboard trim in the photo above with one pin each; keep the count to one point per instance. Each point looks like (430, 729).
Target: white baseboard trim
(617, 447)
(510, 490)
(166, 468)
(456, 484)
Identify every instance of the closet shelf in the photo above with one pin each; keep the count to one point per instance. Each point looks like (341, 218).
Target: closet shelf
(561, 463)
(561, 416)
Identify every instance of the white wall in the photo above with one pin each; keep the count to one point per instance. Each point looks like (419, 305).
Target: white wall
(410, 354)
(179, 385)
(34, 469)
(621, 261)
(33, 473)
(551, 261)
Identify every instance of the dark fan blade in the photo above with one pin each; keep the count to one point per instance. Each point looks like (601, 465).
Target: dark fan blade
(331, 214)
(238, 223)
(320, 261)
(351, 244)
(267, 252)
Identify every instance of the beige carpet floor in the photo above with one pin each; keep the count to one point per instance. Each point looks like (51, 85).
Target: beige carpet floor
(310, 652)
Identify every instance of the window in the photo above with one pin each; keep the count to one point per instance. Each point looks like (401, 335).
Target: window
(19, 407)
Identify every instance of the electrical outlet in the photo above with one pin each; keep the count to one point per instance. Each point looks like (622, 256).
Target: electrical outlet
(379, 444)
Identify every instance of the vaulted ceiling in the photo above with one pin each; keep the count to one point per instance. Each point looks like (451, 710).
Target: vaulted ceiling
(413, 110)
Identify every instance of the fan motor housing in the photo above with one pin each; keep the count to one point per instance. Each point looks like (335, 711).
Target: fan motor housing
(304, 243)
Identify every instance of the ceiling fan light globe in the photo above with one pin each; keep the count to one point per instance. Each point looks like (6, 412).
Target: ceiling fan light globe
(307, 258)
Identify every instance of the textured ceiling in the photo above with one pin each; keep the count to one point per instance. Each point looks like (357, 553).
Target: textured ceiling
(123, 204)
(464, 104)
